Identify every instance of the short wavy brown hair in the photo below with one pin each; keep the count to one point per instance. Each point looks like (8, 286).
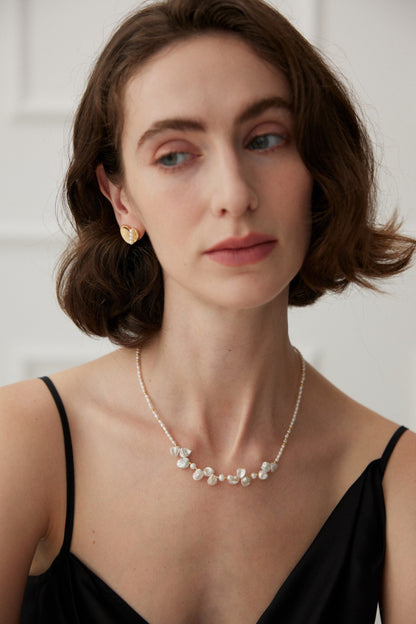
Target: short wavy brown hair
(111, 289)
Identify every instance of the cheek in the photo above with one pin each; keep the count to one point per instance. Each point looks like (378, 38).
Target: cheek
(302, 185)
(295, 208)
(300, 181)
(293, 192)
(169, 223)
(305, 209)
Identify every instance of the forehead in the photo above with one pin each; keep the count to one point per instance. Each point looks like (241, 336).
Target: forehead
(202, 74)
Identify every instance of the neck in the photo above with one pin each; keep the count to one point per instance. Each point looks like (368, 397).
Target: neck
(224, 382)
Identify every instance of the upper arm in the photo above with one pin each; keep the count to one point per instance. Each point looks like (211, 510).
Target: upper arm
(26, 436)
(399, 583)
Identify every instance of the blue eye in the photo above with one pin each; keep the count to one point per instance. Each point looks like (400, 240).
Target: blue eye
(265, 141)
(173, 159)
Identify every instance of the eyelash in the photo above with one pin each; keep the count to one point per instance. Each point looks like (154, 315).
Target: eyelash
(281, 139)
(169, 169)
(169, 155)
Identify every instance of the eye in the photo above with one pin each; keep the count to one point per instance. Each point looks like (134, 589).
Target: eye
(174, 159)
(266, 141)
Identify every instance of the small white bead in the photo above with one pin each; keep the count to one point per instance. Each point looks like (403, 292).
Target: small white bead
(221, 477)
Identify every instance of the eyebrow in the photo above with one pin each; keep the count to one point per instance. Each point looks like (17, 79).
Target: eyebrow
(183, 124)
(259, 107)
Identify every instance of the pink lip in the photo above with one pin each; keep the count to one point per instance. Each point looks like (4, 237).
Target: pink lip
(241, 251)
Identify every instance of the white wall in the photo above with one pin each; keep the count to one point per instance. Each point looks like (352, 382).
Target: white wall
(364, 342)
(370, 343)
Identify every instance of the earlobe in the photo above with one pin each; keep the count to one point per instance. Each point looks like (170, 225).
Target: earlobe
(111, 191)
(116, 195)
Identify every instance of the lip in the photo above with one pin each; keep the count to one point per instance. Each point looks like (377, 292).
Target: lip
(250, 240)
(249, 249)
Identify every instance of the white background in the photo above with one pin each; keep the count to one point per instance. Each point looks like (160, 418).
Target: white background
(362, 341)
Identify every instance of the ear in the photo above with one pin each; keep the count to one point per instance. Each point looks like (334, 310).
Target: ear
(117, 196)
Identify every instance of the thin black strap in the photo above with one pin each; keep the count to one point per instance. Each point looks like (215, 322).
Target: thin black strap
(390, 448)
(69, 460)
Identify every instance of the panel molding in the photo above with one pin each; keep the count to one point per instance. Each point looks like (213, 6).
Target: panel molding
(29, 106)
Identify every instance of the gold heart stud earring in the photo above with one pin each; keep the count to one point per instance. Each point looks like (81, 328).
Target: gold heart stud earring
(130, 235)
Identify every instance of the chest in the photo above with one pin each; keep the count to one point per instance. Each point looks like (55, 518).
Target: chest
(337, 579)
(185, 552)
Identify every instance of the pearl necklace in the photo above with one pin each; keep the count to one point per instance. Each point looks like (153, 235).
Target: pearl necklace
(241, 475)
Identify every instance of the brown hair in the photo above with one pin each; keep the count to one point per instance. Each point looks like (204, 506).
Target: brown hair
(111, 289)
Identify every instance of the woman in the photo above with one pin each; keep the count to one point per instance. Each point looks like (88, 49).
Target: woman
(219, 174)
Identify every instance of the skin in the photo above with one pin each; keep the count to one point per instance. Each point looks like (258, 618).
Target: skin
(221, 371)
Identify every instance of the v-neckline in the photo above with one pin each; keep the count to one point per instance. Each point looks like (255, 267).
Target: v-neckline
(138, 619)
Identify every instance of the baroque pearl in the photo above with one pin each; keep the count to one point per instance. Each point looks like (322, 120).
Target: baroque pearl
(185, 452)
(233, 479)
(198, 474)
(183, 462)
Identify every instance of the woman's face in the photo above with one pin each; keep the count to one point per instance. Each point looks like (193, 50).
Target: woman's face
(212, 173)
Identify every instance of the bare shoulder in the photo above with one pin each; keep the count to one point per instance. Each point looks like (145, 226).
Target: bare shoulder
(30, 440)
(29, 470)
(23, 399)
(27, 421)
(95, 378)
(399, 586)
(399, 485)
(362, 435)
(359, 435)
(31, 436)
(33, 473)
(356, 432)
(401, 468)
(27, 416)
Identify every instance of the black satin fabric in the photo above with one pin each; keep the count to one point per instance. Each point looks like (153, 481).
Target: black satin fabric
(337, 581)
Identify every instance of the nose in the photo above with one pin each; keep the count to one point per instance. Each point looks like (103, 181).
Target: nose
(233, 193)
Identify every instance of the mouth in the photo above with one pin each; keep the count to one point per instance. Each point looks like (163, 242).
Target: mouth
(251, 240)
(250, 249)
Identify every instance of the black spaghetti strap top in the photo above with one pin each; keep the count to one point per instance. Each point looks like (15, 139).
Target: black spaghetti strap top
(338, 579)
